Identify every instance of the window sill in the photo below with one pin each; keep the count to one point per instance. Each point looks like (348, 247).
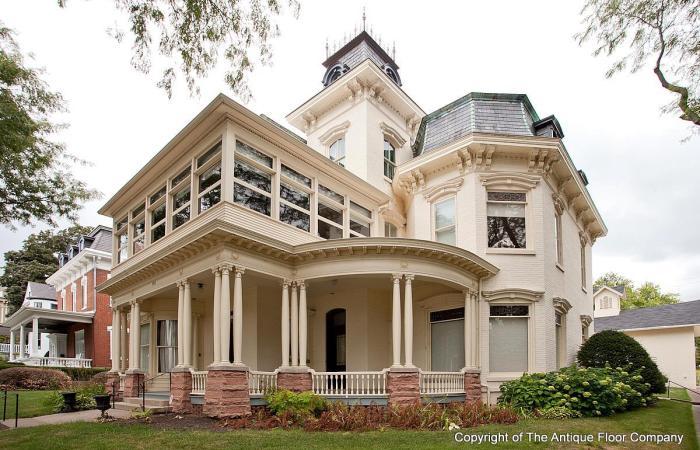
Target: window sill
(509, 251)
(387, 179)
(560, 267)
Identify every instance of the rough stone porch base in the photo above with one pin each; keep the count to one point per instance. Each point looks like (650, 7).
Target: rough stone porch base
(296, 379)
(227, 394)
(180, 389)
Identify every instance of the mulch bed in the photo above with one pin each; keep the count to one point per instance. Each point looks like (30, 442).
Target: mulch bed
(171, 421)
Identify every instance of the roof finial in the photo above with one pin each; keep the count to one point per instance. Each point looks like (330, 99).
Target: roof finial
(364, 19)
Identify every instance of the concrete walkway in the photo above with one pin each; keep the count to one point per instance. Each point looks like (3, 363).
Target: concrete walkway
(53, 419)
(695, 398)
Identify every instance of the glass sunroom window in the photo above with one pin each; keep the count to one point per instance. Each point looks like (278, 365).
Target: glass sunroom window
(138, 228)
(181, 196)
(331, 210)
(506, 219)
(295, 199)
(253, 174)
(209, 178)
(360, 220)
(157, 210)
(122, 237)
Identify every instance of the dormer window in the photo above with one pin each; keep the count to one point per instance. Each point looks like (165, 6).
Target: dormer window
(336, 152)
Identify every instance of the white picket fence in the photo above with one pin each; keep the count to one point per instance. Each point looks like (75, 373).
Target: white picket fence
(432, 383)
(199, 382)
(349, 384)
(261, 383)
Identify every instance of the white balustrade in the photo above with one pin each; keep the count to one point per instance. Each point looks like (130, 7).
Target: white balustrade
(199, 382)
(58, 362)
(261, 383)
(5, 348)
(441, 383)
(349, 384)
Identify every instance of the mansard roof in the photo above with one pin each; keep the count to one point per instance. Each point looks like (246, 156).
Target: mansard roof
(40, 291)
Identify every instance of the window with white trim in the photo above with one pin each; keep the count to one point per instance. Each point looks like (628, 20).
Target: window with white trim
(156, 207)
(331, 211)
(508, 338)
(360, 220)
(558, 239)
(390, 230)
(74, 296)
(84, 293)
(181, 194)
(506, 219)
(209, 178)
(109, 331)
(138, 228)
(560, 338)
(584, 333)
(336, 151)
(253, 175)
(583, 264)
(295, 198)
(121, 235)
(444, 221)
(389, 159)
(63, 300)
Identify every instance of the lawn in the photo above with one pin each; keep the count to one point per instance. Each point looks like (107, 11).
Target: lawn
(31, 403)
(665, 417)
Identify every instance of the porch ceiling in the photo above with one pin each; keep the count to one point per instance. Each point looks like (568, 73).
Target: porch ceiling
(222, 234)
(47, 316)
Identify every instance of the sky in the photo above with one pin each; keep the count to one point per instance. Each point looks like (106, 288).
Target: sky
(642, 170)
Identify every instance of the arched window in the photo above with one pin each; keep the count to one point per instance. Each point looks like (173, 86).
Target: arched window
(389, 159)
(337, 151)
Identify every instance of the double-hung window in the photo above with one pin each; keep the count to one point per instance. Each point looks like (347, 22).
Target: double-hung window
(295, 198)
(508, 338)
(444, 221)
(389, 159)
(209, 178)
(337, 151)
(360, 220)
(558, 239)
(331, 207)
(390, 230)
(506, 219)
(122, 237)
(253, 174)
(138, 228)
(181, 196)
(84, 292)
(74, 296)
(157, 207)
(560, 337)
(583, 265)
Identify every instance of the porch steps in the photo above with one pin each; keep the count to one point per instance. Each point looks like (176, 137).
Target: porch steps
(156, 403)
(159, 384)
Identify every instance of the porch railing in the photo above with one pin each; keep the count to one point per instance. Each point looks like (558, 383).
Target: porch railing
(199, 382)
(349, 384)
(441, 383)
(47, 361)
(261, 383)
(5, 348)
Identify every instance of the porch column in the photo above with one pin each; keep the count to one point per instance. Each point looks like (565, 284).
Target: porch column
(21, 341)
(187, 325)
(475, 329)
(285, 323)
(295, 325)
(180, 322)
(217, 315)
(134, 360)
(302, 323)
(124, 343)
(34, 344)
(238, 316)
(195, 341)
(225, 323)
(396, 321)
(467, 328)
(408, 321)
(116, 339)
(12, 345)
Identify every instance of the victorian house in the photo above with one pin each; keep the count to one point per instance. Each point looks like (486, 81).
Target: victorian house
(67, 322)
(387, 256)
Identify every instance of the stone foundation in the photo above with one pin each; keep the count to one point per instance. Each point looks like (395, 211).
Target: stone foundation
(180, 390)
(294, 381)
(226, 393)
(403, 386)
(112, 385)
(131, 384)
(472, 386)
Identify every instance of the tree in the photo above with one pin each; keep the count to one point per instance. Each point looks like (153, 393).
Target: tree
(36, 260)
(611, 280)
(194, 34)
(648, 295)
(35, 181)
(665, 31)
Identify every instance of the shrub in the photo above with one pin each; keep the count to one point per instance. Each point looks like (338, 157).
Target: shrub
(295, 404)
(81, 373)
(84, 398)
(616, 349)
(559, 412)
(589, 391)
(33, 378)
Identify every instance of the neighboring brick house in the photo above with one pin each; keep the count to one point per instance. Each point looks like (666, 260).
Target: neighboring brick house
(73, 327)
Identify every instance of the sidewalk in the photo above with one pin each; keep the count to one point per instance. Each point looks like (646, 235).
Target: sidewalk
(53, 419)
(696, 412)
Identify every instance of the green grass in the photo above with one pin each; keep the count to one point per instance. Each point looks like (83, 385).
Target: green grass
(665, 417)
(676, 393)
(31, 403)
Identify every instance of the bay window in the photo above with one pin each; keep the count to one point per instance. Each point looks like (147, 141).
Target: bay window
(253, 173)
(506, 219)
(444, 221)
(336, 151)
(508, 338)
(331, 207)
(389, 159)
(209, 178)
(122, 237)
(360, 220)
(181, 196)
(295, 198)
(138, 228)
(157, 211)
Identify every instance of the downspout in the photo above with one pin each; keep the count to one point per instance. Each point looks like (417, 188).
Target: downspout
(94, 284)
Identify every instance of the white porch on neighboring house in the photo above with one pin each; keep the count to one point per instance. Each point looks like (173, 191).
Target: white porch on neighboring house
(347, 328)
(39, 337)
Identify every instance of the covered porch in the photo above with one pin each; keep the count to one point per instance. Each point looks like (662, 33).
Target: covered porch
(350, 322)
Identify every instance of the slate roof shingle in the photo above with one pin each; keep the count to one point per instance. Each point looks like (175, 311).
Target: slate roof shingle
(42, 290)
(683, 313)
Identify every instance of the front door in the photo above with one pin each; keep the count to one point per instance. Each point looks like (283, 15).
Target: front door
(335, 340)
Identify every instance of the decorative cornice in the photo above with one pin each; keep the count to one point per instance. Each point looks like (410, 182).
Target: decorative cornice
(334, 132)
(512, 294)
(559, 204)
(561, 305)
(392, 134)
(509, 180)
(390, 212)
(448, 187)
(586, 320)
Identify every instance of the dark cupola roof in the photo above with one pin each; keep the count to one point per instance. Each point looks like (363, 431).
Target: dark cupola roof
(354, 53)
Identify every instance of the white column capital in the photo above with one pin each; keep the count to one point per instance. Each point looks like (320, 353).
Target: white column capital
(216, 270)
(286, 283)
(409, 277)
(239, 271)
(396, 277)
(301, 284)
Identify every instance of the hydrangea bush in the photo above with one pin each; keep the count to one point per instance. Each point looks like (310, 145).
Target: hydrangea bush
(587, 391)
